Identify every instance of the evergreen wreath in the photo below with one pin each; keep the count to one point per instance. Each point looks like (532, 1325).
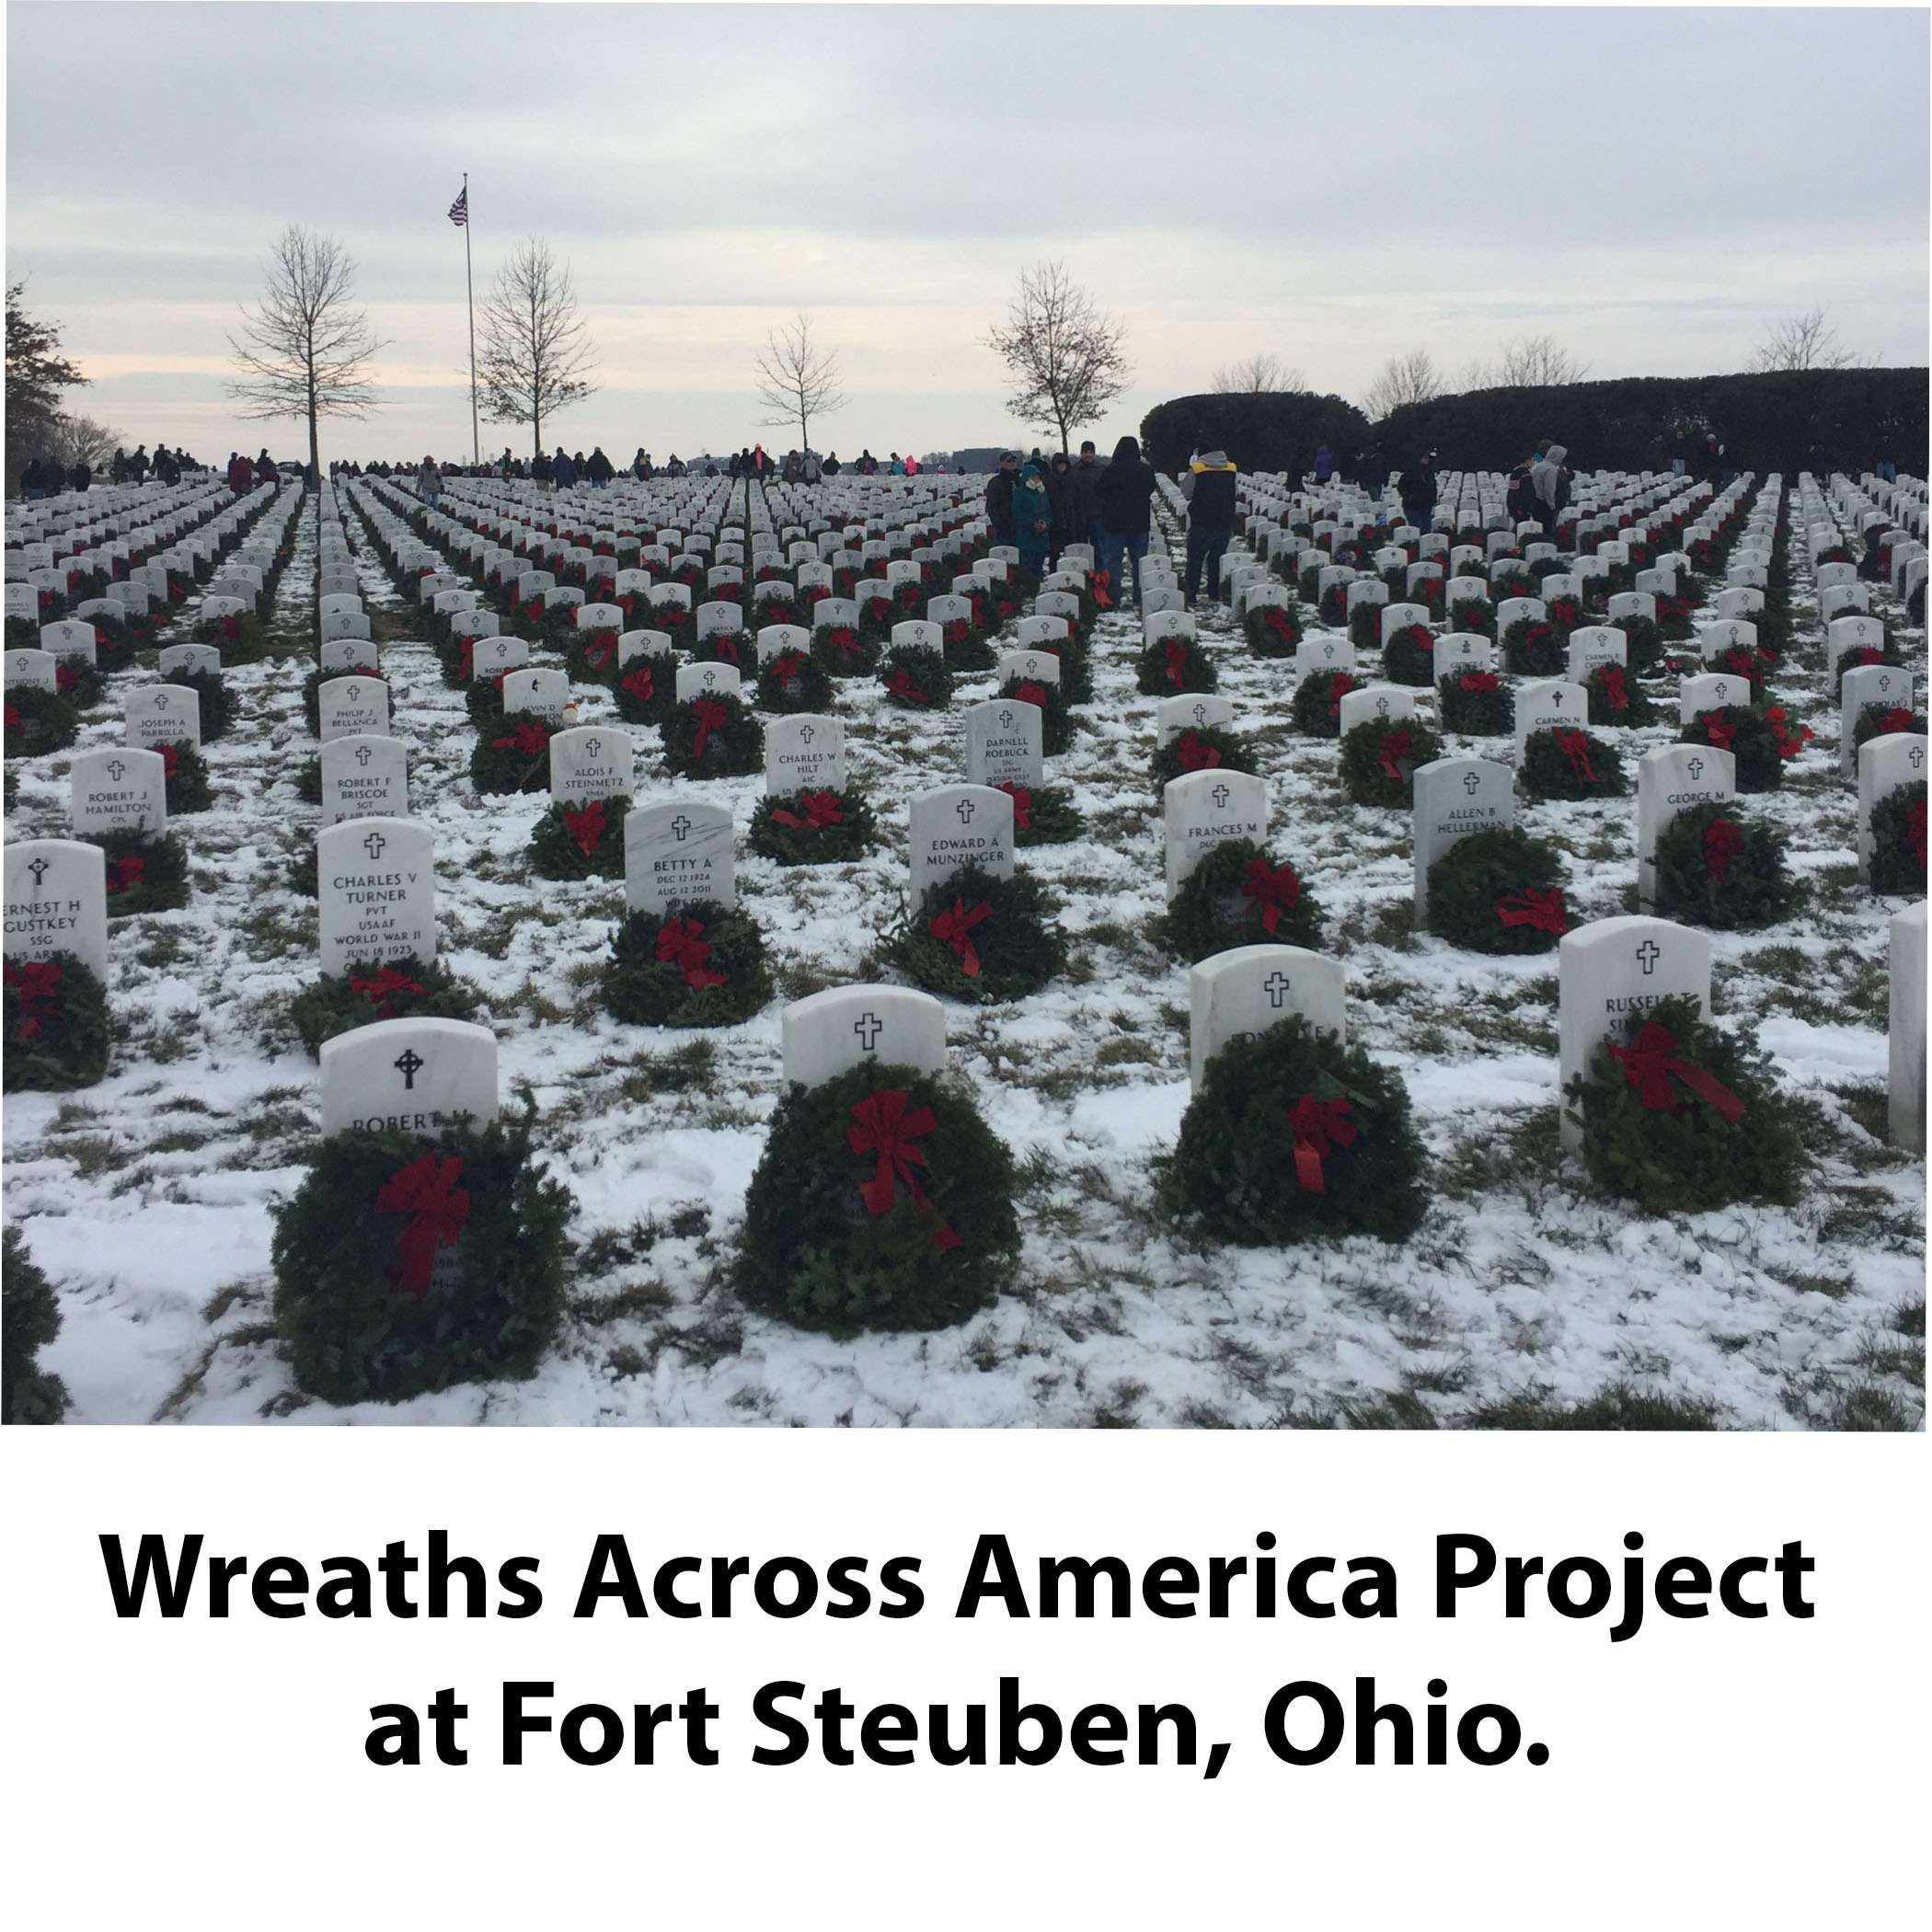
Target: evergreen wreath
(1643, 645)
(1056, 722)
(1681, 1116)
(1201, 748)
(1043, 815)
(483, 698)
(1616, 698)
(1498, 891)
(354, 1249)
(590, 656)
(1740, 661)
(1862, 655)
(813, 828)
(727, 647)
(1077, 675)
(1316, 705)
(371, 990)
(1295, 1137)
(1333, 607)
(1379, 756)
(187, 778)
(1532, 647)
(38, 722)
(56, 1025)
(240, 638)
(1409, 657)
(217, 701)
(793, 680)
(1563, 763)
(980, 938)
(1898, 843)
(967, 647)
(698, 965)
(1674, 616)
(80, 684)
(1238, 895)
(646, 690)
(312, 694)
(1475, 702)
(714, 737)
(882, 1201)
(844, 650)
(516, 758)
(1473, 615)
(582, 841)
(1884, 720)
(915, 679)
(1366, 626)
(1274, 630)
(1720, 868)
(146, 874)
(29, 1318)
(1752, 737)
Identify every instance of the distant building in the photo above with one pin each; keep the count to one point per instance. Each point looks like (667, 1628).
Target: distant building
(976, 462)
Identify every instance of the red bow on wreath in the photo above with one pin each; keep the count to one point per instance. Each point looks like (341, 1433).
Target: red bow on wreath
(1420, 638)
(533, 739)
(1275, 618)
(1177, 665)
(1542, 910)
(842, 637)
(1339, 690)
(1896, 719)
(726, 647)
(1723, 841)
(822, 808)
(102, 641)
(1720, 731)
(678, 945)
(426, 1191)
(14, 723)
(1103, 589)
(1614, 689)
(66, 677)
(466, 662)
(1648, 1065)
(382, 990)
(1537, 632)
(1789, 742)
(1031, 692)
(533, 611)
(886, 1129)
(1915, 828)
(229, 628)
(1576, 748)
(711, 716)
(640, 685)
(1739, 662)
(124, 874)
(1022, 806)
(1479, 681)
(1396, 747)
(171, 759)
(955, 929)
(34, 983)
(599, 648)
(1275, 890)
(954, 631)
(1318, 1127)
(901, 684)
(1195, 756)
(586, 824)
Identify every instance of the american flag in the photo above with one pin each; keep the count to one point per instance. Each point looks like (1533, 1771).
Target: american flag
(459, 208)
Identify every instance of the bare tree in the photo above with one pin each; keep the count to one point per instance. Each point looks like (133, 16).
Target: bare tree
(1538, 362)
(1064, 356)
(79, 439)
(1410, 378)
(1262, 374)
(305, 349)
(798, 380)
(1804, 341)
(534, 349)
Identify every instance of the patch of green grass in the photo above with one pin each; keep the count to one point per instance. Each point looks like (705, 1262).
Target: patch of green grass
(1524, 1150)
(1120, 1053)
(1615, 1405)
(1118, 1410)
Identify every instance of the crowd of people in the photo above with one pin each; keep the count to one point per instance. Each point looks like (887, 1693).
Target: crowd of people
(44, 477)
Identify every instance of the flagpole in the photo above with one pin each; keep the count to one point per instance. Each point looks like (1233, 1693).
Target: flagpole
(476, 435)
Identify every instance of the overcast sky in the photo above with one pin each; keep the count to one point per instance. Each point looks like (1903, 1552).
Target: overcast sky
(1651, 187)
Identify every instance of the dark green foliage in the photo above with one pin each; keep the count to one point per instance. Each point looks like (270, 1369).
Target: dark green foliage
(308, 781)
(1547, 772)
(1499, 863)
(312, 688)
(1745, 732)
(483, 698)
(1364, 770)
(1637, 708)
(1409, 657)
(1686, 1158)
(916, 680)
(369, 992)
(512, 756)
(646, 690)
(38, 722)
(1198, 748)
(1860, 657)
(1018, 944)
(794, 681)
(162, 883)
(1212, 912)
(30, 1319)
(968, 649)
(303, 875)
(1259, 431)
(809, 843)
(557, 845)
(1882, 720)
(582, 645)
(1482, 713)
(240, 639)
(643, 990)
(731, 749)
(54, 1046)
(81, 685)
(1366, 626)
(1274, 630)
(1234, 1176)
(1045, 817)
(217, 701)
(1170, 665)
(813, 1254)
(1532, 647)
(1316, 705)
(1643, 644)
(187, 779)
(353, 1335)
(844, 650)
(1754, 889)
(1056, 722)
(1898, 866)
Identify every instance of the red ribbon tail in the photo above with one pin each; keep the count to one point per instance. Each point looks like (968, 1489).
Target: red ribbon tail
(1710, 1090)
(1307, 1168)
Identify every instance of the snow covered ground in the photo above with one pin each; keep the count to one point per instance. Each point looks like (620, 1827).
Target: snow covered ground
(147, 1198)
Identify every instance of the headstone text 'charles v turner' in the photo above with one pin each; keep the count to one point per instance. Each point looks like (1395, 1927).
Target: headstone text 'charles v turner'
(377, 892)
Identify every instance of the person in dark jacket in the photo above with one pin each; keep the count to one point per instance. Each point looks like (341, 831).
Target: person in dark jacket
(1087, 475)
(831, 465)
(1123, 492)
(999, 497)
(1032, 517)
(1417, 491)
(1324, 462)
(1060, 487)
(1209, 487)
(598, 469)
(563, 472)
(541, 472)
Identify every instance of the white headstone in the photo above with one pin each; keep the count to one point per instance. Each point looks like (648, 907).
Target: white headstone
(1203, 810)
(408, 1076)
(1879, 686)
(33, 670)
(1191, 711)
(1595, 644)
(1251, 988)
(188, 660)
(678, 854)
(1323, 653)
(537, 692)
(352, 707)
(1906, 1069)
(1389, 703)
(377, 892)
(57, 902)
(591, 762)
(707, 680)
(1669, 780)
(775, 639)
(70, 640)
(1455, 797)
(1004, 741)
(1039, 667)
(1884, 764)
(163, 714)
(804, 752)
(919, 634)
(490, 656)
(1548, 704)
(118, 790)
(364, 777)
(834, 1030)
(957, 825)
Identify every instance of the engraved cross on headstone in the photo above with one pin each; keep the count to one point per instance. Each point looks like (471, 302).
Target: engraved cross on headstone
(591, 746)
(1276, 987)
(680, 825)
(1647, 957)
(1200, 714)
(1695, 768)
(808, 733)
(116, 771)
(966, 809)
(1472, 783)
(363, 754)
(1220, 796)
(409, 1063)
(38, 866)
(1917, 756)
(353, 693)
(869, 1027)
(1006, 721)
(373, 844)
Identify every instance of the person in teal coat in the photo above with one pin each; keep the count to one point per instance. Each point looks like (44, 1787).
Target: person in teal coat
(1032, 517)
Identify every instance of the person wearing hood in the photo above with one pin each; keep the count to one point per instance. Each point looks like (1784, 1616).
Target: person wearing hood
(1032, 517)
(1324, 463)
(1067, 523)
(1209, 487)
(599, 468)
(1123, 493)
(1551, 483)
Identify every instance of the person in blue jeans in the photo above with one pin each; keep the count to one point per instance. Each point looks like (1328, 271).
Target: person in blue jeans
(1123, 493)
(1209, 487)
